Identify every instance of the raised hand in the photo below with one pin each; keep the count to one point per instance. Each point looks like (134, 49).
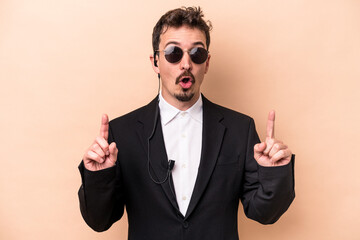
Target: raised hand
(100, 154)
(272, 152)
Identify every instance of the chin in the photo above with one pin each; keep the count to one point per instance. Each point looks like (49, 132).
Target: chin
(185, 96)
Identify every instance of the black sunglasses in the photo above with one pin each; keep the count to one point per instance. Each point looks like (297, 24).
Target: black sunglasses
(174, 54)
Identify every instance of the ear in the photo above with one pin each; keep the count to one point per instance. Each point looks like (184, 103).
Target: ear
(207, 64)
(155, 68)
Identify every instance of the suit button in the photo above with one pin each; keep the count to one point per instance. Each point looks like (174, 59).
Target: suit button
(185, 224)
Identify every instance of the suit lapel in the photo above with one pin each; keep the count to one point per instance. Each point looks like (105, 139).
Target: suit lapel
(213, 132)
(158, 155)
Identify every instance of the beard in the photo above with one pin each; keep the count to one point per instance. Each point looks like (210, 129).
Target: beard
(184, 96)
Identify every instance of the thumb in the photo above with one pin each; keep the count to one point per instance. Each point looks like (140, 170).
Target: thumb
(258, 150)
(113, 152)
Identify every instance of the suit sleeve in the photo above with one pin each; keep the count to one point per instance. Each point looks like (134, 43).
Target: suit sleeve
(267, 191)
(101, 196)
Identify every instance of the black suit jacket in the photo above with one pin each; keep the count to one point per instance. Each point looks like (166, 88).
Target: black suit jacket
(227, 173)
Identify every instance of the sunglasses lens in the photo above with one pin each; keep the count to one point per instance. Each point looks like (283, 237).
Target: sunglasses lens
(198, 55)
(173, 54)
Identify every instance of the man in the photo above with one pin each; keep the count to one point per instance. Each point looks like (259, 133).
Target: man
(181, 163)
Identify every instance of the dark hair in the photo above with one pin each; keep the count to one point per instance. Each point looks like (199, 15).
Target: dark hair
(190, 16)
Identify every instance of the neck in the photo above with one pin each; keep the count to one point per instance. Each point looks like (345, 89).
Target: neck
(181, 105)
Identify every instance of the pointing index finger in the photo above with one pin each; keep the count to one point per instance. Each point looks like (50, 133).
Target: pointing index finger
(270, 125)
(104, 129)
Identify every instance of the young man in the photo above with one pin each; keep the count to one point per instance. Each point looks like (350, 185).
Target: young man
(181, 164)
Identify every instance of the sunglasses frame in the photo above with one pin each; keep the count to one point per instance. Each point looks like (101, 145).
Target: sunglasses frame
(182, 54)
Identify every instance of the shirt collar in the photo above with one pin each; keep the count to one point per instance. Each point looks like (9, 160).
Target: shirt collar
(169, 112)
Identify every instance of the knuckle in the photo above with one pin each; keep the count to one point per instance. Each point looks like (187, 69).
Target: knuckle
(94, 146)
(101, 153)
(99, 159)
(98, 139)
(96, 158)
(89, 154)
(86, 157)
(282, 153)
(272, 153)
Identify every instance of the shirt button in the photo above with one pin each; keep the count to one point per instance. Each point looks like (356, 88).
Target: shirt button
(183, 166)
(184, 198)
(185, 224)
(183, 114)
(183, 135)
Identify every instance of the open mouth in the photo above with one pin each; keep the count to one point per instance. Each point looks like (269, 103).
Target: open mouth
(186, 82)
(185, 79)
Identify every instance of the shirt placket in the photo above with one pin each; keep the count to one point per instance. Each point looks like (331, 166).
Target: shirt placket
(183, 151)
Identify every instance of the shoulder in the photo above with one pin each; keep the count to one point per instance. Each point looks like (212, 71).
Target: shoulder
(135, 116)
(239, 127)
(228, 115)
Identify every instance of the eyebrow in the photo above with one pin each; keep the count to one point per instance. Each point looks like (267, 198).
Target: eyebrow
(199, 43)
(177, 43)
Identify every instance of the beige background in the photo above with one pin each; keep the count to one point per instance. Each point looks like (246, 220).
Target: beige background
(64, 63)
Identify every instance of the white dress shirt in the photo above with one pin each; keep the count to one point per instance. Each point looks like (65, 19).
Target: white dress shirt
(182, 132)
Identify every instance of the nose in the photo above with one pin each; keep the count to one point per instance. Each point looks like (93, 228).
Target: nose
(185, 63)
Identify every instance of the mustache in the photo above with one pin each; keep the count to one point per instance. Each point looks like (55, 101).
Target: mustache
(185, 74)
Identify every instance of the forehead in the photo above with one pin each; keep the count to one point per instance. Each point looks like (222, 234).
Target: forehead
(183, 35)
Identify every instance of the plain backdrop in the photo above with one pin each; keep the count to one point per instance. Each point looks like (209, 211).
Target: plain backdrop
(65, 63)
